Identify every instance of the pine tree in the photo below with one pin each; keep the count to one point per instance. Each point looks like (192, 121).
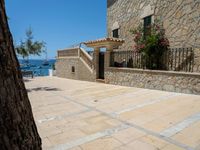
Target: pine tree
(17, 127)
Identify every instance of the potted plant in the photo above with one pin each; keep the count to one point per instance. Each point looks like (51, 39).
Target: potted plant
(52, 71)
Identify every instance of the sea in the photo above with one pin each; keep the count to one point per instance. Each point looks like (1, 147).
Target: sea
(38, 66)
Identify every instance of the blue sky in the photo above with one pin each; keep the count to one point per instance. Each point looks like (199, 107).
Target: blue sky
(60, 23)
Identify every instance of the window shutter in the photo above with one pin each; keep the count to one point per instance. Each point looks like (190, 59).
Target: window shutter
(147, 24)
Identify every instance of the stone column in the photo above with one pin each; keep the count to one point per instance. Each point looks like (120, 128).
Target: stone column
(196, 60)
(96, 61)
(108, 62)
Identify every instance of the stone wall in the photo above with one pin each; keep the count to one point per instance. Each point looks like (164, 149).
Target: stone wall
(158, 80)
(181, 20)
(85, 73)
(64, 69)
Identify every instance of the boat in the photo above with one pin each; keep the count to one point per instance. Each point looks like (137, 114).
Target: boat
(25, 66)
(39, 67)
(46, 62)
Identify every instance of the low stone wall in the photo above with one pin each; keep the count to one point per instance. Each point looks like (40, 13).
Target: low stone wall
(81, 72)
(160, 80)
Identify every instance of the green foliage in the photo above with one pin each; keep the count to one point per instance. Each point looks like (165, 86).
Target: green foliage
(21, 50)
(29, 46)
(152, 46)
(53, 67)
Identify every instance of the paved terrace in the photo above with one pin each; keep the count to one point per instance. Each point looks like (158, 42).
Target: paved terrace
(80, 115)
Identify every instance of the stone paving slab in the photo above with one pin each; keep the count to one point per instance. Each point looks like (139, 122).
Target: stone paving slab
(80, 115)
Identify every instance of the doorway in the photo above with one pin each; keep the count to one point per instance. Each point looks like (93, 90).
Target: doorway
(101, 65)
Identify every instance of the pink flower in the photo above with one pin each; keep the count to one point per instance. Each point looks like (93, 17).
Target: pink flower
(164, 42)
(142, 46)
(157, 27)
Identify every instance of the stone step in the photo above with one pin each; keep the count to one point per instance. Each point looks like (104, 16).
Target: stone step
(100, 80)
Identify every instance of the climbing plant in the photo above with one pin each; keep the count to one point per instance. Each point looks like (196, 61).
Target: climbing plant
(152, 45)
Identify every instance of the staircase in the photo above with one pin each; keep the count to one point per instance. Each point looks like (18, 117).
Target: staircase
(86, 58)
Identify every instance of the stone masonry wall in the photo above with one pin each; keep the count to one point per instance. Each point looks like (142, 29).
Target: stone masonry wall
(181, 20)
(158, 80)
(84, 73)
(64, 69)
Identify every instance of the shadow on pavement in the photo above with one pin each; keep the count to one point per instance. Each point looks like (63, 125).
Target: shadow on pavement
(26, 80)
(43, 89)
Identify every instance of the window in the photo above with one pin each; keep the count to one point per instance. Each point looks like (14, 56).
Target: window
(147, 26)
(116, 33)
(73, 69)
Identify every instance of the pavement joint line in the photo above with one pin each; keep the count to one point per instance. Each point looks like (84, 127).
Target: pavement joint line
(94, 92)
(169, 140)
(48, 104)
(90, 138)
(115, 117)
(135, 126)
(197, 147)
(113, 98)
(181, 125)
(186, 147)
(46, 119)
(62, 116)
(149, 102)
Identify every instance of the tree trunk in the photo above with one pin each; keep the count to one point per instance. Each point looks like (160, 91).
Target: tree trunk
(17, 127)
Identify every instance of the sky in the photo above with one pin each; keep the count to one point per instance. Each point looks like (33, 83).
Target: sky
(60, 23)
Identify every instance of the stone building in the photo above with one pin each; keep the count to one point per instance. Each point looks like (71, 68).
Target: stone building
(180, 19)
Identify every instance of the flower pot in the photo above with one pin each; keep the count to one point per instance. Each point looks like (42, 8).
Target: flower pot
(51, 72)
